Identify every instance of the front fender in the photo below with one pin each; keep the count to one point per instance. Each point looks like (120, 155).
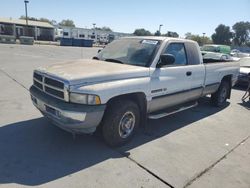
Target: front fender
(108, 90)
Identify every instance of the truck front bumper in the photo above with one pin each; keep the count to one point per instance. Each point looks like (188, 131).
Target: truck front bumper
(76, 118)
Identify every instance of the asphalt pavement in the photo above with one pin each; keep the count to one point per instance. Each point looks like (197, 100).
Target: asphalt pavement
(201, 147)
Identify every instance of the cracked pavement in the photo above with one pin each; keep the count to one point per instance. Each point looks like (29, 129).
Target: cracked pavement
(200, 147)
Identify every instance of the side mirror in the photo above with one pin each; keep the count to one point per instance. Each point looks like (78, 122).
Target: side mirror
(166, 59)
(99, 51)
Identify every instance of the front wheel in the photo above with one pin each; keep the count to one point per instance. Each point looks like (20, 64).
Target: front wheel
(220, 96)
(120, 122)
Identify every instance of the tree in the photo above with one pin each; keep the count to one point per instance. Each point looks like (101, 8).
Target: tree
(29, 18)
(199, 39)
(104, 28)
(157, 33)
(172, 34)
(188, 35)
(44, 20)
(47, 20)
(242, 32)
(53, 22)
(142, 32)
(67, 23)
(222, 35)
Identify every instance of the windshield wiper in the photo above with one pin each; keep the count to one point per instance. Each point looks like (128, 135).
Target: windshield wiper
(114, 60)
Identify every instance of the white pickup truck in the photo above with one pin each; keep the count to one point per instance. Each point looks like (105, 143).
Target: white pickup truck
(130, 80)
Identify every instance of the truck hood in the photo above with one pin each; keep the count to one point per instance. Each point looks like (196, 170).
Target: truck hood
(93, 71)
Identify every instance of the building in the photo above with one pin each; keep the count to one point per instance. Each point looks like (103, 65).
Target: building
(17, 27)
(83, 33)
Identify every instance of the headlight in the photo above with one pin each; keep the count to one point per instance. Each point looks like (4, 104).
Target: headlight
(84, 99)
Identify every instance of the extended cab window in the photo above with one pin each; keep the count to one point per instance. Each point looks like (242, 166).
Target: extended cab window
(178, 51)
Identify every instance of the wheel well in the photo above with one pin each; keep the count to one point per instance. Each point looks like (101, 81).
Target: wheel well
(228, 78)
(139, 98)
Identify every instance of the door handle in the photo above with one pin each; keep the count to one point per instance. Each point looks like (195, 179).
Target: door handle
(189, 73)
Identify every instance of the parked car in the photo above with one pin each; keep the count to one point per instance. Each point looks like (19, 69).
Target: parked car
(244, 75)
(216, 52)
(130, 80)
(238, 53)
(224, 49)
(216, 56)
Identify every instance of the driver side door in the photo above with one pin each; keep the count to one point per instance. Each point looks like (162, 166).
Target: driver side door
(170, 84)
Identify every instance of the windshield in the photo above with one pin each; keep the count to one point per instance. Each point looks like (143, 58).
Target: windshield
(139, 52)
(245, 62)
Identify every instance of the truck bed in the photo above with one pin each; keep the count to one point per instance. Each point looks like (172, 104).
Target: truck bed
(216, 70)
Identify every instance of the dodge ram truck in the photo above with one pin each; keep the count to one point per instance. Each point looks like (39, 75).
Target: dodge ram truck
(130, 80)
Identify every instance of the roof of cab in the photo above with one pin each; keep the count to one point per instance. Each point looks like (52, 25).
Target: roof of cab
(159, 38)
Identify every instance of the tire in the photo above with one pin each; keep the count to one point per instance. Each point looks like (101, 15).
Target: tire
(120, 122)
(219, 98)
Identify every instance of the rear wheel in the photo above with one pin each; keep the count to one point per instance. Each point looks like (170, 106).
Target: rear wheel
(120, 122)
(220, 96)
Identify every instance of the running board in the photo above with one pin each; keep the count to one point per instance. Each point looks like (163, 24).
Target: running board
(164, 114)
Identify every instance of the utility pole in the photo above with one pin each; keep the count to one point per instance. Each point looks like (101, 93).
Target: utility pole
(26, 16)
(94, 30)
(160, 29)
(26, 12)
(203, 41)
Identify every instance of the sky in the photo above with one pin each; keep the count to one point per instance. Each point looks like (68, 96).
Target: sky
(181, 16)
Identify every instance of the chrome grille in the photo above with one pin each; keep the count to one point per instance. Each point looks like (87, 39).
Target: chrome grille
(53, 83)
(38, 84)
(54, 92)
(50, 86)
(38, 77)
